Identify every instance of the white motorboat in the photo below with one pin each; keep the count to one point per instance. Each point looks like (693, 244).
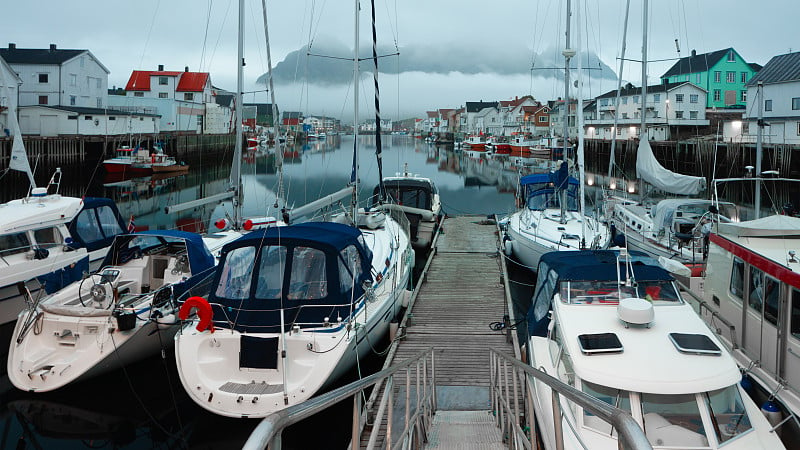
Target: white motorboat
(124, 312)
(418, 198)
(613, 325)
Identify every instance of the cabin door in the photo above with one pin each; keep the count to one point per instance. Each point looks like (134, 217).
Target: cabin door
(791, 356)
(761, 320)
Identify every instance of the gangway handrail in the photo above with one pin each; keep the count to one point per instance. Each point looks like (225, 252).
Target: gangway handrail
(267, 433)
(507, 404)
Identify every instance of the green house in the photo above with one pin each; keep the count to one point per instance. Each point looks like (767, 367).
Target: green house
(723, 73)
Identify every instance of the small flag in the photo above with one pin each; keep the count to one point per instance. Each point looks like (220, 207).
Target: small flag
(131, 225)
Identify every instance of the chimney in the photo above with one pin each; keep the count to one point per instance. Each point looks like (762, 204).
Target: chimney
(12, 46)
(186, 69)
(160, 67)
(694, 52)
(52, 47)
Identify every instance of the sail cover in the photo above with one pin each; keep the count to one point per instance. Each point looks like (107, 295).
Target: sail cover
(651, 171)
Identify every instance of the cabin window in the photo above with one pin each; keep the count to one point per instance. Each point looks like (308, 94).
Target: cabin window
(48, 237)
(614, 397)
(11, 244)
(87, 226)
(772, 289)
(108, 221)
(737, 278)
(756, 297)
(270, 272)
(795, 318)
(554, 345)
(309, 278)
(349, 268)
(673, 420)
(237, 274)
(728, 411)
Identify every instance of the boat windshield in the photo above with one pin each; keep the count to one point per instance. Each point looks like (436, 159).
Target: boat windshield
(542, 196)
(614, 397)
(728, 414)
(600, 292)
(673, 421)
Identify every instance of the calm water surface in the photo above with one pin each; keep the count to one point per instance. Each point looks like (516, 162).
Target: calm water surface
(144, 406)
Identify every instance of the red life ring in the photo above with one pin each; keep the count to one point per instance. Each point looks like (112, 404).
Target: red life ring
(203, 312)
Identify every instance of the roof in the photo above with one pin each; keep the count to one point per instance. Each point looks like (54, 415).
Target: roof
(261, 108)
(93, 111)
(224, 99)
(188, 81)
(779, 69)
(192, 82)
(654, 89)
(696, 63)
(477, 106)
(38, 56)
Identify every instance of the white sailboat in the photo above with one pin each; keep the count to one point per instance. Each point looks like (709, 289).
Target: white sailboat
(418, 198)
(552, 213)
(292, 308)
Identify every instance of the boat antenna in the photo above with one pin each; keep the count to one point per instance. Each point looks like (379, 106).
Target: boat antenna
(612, 157)
(280, 197)
(378, 150)
(236, 168)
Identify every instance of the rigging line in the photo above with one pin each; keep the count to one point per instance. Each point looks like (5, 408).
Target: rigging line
(149, 33)
(219, 35)
(378, 149)
(205, 36)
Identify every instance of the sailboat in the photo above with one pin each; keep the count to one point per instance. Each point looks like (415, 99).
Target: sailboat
(552, 214)
(47, 240)
(293, 308)
(673, 228)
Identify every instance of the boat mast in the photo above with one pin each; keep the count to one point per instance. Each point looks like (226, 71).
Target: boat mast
(643, 129)
(236, 169)
(378, 150)
(612, 158)
(759, 148)
(579, 112)
(568, 53)
(275, 121)
(354, 176)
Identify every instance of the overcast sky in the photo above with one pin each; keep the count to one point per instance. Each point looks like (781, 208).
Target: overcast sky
(450, 51)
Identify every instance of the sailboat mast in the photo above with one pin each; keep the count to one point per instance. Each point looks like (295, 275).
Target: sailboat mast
(355, 119)
(759, 148)
(236, 169)
(643, 130)
(568, 53)
(275, 120)
(579, 112)
(612, 158)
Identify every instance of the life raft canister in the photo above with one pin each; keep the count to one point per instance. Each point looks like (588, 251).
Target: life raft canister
(203, 312)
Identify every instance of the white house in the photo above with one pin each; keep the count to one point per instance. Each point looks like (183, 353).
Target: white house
(669, 107)
(469, 117)
(488, 121)
(781, 107)
(513, 114)
(74, 120)
(58, 77)
(9, 90)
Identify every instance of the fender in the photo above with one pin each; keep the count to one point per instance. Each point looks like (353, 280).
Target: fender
(204, 312)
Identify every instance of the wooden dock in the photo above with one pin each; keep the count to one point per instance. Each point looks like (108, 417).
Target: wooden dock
(463, 290)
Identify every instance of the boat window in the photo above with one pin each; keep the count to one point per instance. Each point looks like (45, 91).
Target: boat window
(48, 237)
(658, 291)
(795, 318)
(308, 279)
(270, 272)
(737, 278)
(554, 344)
(237, 273)
(11, 244)
(349, 268)
(88, 227)
(673, 420)
(614, 397)
(771, 290)
(728, 414)
(756, 297)
(108, 221)
(594, 292)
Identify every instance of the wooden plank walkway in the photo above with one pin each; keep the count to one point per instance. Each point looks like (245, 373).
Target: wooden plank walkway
(462, 293)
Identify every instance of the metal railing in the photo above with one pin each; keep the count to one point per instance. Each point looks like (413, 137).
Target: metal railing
(420, 367)
(512, 392)
(703, 305)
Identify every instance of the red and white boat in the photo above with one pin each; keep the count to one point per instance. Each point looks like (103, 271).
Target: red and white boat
(499, 145)
(521, 145)
(140, 161)
(476, 142)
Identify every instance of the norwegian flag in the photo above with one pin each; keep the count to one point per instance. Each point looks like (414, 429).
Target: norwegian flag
(131, 225)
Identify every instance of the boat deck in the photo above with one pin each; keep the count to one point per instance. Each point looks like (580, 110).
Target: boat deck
(462, 292)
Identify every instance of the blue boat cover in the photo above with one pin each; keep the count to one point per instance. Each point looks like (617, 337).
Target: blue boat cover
(250, 301)
(95, 226)
(586, 265)
(200, 258)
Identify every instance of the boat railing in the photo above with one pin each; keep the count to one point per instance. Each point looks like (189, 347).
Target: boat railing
(702, 306)
(230, 322)
(512, 391)
(418, 375)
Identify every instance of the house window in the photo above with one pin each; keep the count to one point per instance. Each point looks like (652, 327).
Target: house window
(619, 131)
(731, 56)
(717, 95)
(73, 79)
(112, 118)
(163, 81)
(743, 96)
(99, 102)
(190, 96)
(693, 115)
(743, 77)
(87, 117)
(138, 94)
(656, 97)
(798, 128)
(679, 114)
(796, 103)
(162, 95)
(717, 76)
(624, 100)
(543, 119)
(767, 105)
(678, 98)
(42, 99)
(693, 98)
(697, 78)
(99, 83)
(635, 99)
(72, 117)
(746, 128)
(43, 77)
(72, 100)
(604, 102)
(636, 114)
(624, 115)
(730, 77)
